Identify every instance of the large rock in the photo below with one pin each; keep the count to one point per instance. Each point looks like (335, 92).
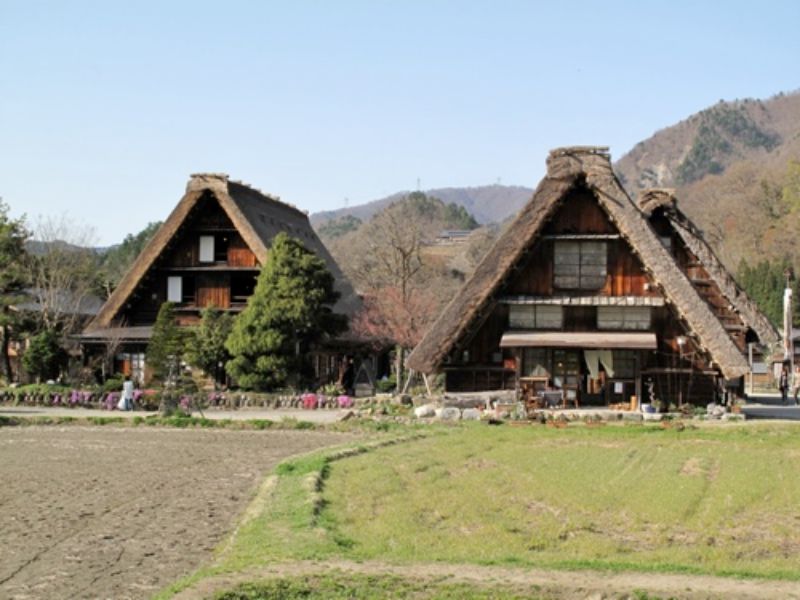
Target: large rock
(424, 412)
(448, 413)
(471, 414)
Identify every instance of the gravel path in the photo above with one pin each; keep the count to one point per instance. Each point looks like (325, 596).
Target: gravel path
(540, 583)
(100, 512)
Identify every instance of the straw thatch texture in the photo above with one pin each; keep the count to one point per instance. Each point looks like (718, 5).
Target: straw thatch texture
(648, 201)
(568, 167)
(257, 217)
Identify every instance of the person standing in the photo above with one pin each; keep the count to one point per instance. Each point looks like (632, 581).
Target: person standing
(783, 384)
(796, 382)
(348, 377)
(126, 402)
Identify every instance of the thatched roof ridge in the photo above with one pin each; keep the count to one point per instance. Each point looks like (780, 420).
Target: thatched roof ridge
(257, 217)
(648, 201)
(568, 167)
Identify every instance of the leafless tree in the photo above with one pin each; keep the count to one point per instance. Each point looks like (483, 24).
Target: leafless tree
(62, 267)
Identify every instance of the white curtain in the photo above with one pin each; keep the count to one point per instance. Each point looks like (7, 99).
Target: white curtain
(607, 360)
(592, 358)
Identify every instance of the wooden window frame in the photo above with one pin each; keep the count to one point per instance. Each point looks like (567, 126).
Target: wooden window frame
(175, 289)
(577, 264)
(205, 253)
(630, 318)
(541, 316)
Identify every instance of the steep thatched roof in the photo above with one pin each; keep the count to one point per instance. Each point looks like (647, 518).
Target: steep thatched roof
(568, 168)
(649, 201)
(257, 217)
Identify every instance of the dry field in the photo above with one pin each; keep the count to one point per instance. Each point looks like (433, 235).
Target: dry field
(98, 512)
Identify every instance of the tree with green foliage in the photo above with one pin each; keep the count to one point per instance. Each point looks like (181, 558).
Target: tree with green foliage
(336, 228)
(290, 310)
(167, 344)
(765, 283)
(44, 358)
(207, 343)
(13, 277)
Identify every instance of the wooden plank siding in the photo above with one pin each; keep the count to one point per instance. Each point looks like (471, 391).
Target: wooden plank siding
(239, 255)
(212, 282)
(214, 289)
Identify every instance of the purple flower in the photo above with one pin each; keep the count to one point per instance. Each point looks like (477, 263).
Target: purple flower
(184, 402)
(345, 401)
(74, 397)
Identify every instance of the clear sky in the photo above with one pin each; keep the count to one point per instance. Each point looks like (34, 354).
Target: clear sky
(106, 107)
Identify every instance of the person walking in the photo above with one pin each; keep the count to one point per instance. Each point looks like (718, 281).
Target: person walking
(783, 384)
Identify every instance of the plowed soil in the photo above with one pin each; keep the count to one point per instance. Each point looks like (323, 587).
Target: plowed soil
(101, 512)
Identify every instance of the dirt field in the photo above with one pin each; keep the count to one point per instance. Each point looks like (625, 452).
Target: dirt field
(120, 513)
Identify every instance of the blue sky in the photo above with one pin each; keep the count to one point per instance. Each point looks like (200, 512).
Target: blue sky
(107, 107)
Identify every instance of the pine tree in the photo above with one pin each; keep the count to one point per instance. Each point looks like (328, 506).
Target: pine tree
(289, 311)
(13, 236)
(166, 347)
(44, 358)
(207, 348)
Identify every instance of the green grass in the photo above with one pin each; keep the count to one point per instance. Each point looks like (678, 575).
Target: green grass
(341, 586)
(719, 500)
(722, 501)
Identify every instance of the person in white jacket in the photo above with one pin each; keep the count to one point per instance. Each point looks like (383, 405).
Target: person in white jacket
(126, 401)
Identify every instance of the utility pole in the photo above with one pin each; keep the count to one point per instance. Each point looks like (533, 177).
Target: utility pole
(788, 345)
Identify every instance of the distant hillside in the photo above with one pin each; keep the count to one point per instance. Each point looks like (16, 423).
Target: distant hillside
(488, 203)
(736, 170)
(709, 142)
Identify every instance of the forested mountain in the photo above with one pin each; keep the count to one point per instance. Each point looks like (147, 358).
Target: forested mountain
(735, 167)
(488, 203)
(736, 170)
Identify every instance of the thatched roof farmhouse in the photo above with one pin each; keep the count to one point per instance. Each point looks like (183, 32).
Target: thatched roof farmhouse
(589, 293)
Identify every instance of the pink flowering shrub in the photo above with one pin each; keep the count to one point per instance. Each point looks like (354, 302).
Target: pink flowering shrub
(345, 401)
(309, 401)
(111, 401)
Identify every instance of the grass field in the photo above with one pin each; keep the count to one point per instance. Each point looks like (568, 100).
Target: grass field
(722, 500)
(715, 500)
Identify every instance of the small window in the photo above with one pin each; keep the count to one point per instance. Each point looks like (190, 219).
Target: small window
(242, 287)
(221, 243)
(529, 316)
(580, 265)
(624, 364)
(174, 289)
(189, 291)
(206, 248)
(535, 363)
(623, 317)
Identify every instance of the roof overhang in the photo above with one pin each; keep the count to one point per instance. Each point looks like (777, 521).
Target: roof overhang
(596, 339)
(117, 334)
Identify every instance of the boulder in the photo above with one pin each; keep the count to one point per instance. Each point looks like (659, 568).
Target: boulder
(471, 414)
(424, 412)
(448, 413)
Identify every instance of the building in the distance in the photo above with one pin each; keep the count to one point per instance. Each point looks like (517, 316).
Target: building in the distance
(208, 252)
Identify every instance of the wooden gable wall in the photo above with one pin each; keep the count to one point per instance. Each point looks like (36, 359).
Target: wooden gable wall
(211, 281)
(581, 214)
(578, 214)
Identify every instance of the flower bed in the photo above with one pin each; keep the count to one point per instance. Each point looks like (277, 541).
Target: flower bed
(61, 396)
